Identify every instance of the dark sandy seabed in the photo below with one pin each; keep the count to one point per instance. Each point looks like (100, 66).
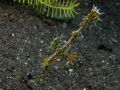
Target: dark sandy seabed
(25, 36)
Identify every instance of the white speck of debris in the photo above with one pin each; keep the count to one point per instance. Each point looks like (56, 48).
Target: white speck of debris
(25, 40)
(71, 72)
(13, 34)
(25, 63)
(103, 61)
(84, 89)
(41, 50)
(14, 70)
(58, 59)
(81, 37)
(10, 77)
(42, 41)
(17, 58)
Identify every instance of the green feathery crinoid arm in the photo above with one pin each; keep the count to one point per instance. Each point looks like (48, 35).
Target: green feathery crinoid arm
(53, 8)
(60, 8)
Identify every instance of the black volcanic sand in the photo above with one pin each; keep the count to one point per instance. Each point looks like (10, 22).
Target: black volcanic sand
(25, 38)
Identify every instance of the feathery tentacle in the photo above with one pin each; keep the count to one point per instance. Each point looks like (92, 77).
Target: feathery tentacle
(53, 8)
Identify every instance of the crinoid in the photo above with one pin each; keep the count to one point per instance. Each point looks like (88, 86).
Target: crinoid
(53, 8)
